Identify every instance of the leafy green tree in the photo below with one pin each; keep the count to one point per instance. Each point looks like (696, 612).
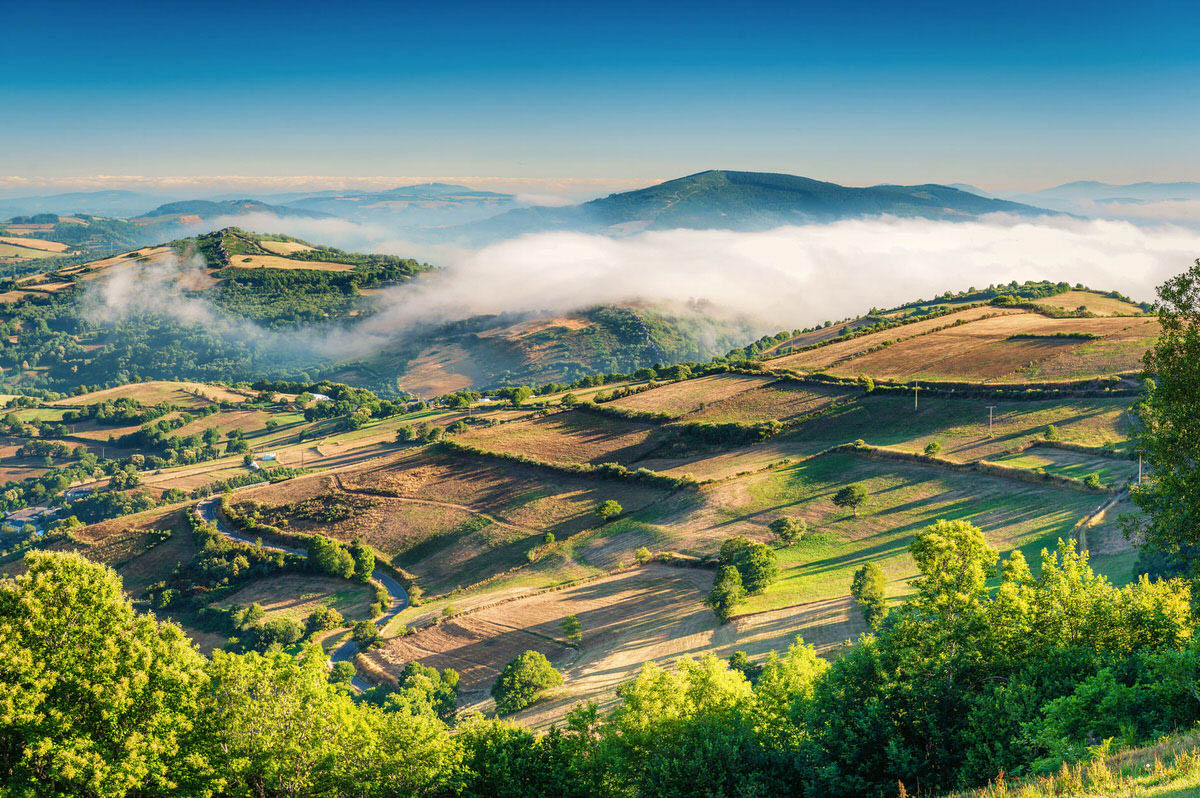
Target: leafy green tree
(609, 509)
(94, 699)
(365, 633)
(421, 689)
(342, 672)
(326, 556)
(642, 555)
(364, 561)
(755, 562)
(869, 589)
(933, 448)
(1167, 432)
(523, 681)
(788, 530)
(726, 594)
(1051, 433)
(520, 395)
(851, 497)
(573, 629)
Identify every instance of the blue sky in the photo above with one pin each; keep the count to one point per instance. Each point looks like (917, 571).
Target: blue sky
(1003, 95)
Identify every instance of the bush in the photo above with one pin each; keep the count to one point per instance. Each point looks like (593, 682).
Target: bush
(326, 556)
(365, 634)
(642, 555)
(573, 629)
(788, 530)
(322, 619)
(343, 673)
(609, 510)
(933, 448)
(523, 681)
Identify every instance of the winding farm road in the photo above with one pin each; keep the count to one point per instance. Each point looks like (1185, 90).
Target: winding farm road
(207, 510)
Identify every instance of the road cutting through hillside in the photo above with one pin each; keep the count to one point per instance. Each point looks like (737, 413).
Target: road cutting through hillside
(207, 510)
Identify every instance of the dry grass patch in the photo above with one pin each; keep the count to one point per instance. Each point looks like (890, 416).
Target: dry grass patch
(1099, 304)
(35, 243)
(296, 595)
(689, 396)
(567, 438)
(825, 356)
(279, 262)
(184, 394)
(781, 401)
(284, 247)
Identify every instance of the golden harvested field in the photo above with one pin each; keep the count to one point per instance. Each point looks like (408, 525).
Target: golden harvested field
(984, 350)
(279, 262)
(284, 247)
(14, 252)
(825, 356)
(1099, 304)
(186, 394)
(678, 398)
(780, 400)
(567, 438)
(451, 520)
(441, 368)
(35, 243)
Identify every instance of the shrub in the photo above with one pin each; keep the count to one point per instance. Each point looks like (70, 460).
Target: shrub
(609, 510)
(788, 530)
(323, 619)
(326, 556)
(642, 555)
(933, 448)
(342, 673)
(573, 629)
(523, 681)
(365, 634)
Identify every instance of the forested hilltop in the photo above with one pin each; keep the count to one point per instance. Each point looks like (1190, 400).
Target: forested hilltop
(237, 306)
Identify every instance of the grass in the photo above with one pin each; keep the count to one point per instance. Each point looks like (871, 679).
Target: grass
(1111, 471)
(903, 499)
(1168, 768)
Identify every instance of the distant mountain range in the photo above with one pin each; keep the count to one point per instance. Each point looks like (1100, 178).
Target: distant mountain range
(720, 199)
(424, 205)
(209, 209)
(114, 203)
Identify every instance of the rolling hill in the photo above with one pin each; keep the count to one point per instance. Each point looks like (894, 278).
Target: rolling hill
(719, 199)
(489, 508)
(424, 205)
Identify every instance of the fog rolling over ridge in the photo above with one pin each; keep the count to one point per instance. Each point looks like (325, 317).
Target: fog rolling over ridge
(782, 278)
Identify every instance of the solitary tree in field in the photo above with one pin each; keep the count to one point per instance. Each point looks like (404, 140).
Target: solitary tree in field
(933, 448)
(851, 497)
(868, 589)
(609, 510)
(519, 395)
(788, 530)
(573, 629)
(523, 681)
(727, 592)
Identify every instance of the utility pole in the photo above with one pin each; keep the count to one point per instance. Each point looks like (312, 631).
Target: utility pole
(915, 389)
(1139, 468)
(990, 409)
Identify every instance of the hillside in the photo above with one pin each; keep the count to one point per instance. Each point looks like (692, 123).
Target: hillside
(496, 524)
(719, 199)
(234, 305)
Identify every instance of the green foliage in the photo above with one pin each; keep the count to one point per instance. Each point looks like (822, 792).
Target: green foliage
(755, 563)
(642, 555)
(869, 589)
(609, 509)
(933, 448)
(364, 561)
(327, 556)
(852, 496)
(342, 672)
(788, 530)
(322, 619)
(523, 681)
(572, 628)
(1051, 433)
(1168, 425)
(423, 690)
(365, 634)
(726, 594)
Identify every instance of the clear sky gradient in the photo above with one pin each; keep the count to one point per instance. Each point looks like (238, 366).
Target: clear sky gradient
(1003, 95)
